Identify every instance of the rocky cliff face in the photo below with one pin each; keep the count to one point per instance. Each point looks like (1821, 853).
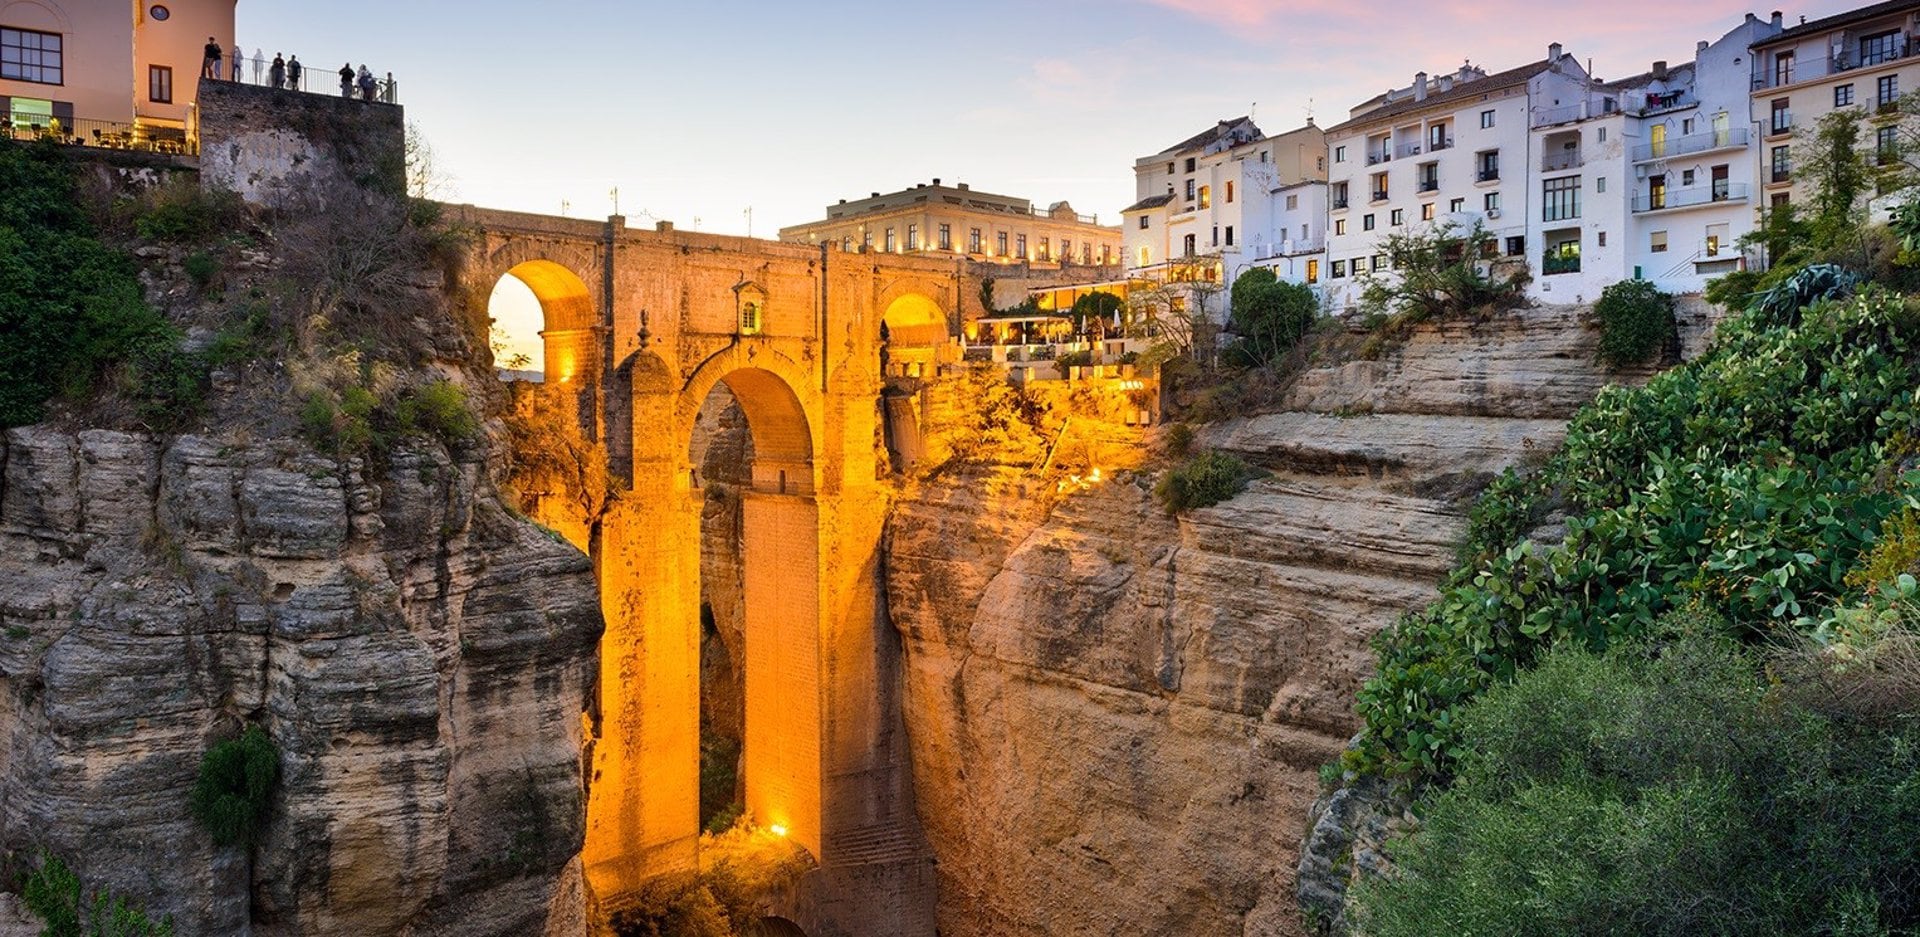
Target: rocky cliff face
(420, 655)
(1117, 718)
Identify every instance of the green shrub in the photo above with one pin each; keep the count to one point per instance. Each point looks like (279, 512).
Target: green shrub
(201, 267)
(1204, 480)
(52, 891)
(1072, 359)
(439, 408)
(1179, 440)
(180, 210)
(1269, 316)
(1636, 322)
(70, 308)
(1444, 271)
(235, 788)
(1751, 479)
(1659, 791)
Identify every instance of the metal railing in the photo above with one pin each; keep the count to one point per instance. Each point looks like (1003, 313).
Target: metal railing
(1691, 143)
(312, 80)
(1407, 149)
(1782, 175)
(1380, 195)
(1767, 74)
(1440, 144)
(102, 134)
(1294, 247)
(1430, 185)
(1489, 175)
(1688, 198)
(1566, 113)
(1339, 203)
(1380, 156)
(1551, 264)
(1565, 159)
(1664, 101)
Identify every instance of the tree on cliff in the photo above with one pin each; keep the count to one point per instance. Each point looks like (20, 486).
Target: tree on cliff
(1269, 316)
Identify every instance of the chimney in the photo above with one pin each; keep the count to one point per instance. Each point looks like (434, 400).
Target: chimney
(936, 180)
(1660, 70)
(874, 195)
(1446, 83)
(1553, 54)
(1776, 19)
(1700, 48)
(663, 226)
(1419, 86)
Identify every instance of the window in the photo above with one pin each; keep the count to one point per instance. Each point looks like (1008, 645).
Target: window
(1229, 235)
(1436, 137)
(1366, 222)
(1086, 253)
(26, 55)
(1716, 238)
(1656, 192)
(1843, 95)
(1379, 262)
(1216, 237)
(1686, 126)
(1106, 254)
(1429, 177)
(1603, 134)
(160, 84)
(1489, 166)
(1379, 186)
(1782, 166)
(1146, 256)
(1229, 191)
(1020, 246)
(1190, 187)
(846, 243)
(1188, 246)
(1657, 140)
(1516, 246)
(1457, 205)
(1399, 217)
(1303, 232)
(1066, 251)
(1885, 145)
(1886, 91)
(1046, 248)
(1486, 119)
(1780, 200)
(1879, 47)
(1602, 239)
(1000, 242)
(889, 243)
(1599, 183)
(750, 317)
(1313, 270)
(913, 237)
(1339, 195)
(1686, 177)
(1782, 118)
(1560, 199)
(1340, 153)
(1338, 270)
(1783, 68)
(1491, 201)
(1720, 189)
(1657, 242)
(1319, 162)
(866, 240)
(1293, 202)
(1426, 212)
(1189, 164)
(1143, 222)
(1206, 196)
(973, 237)
(1340, 226)
(946, 237)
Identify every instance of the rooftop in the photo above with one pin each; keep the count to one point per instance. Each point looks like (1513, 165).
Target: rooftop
(1461, 91)
(1230, 132)
(1839, 21)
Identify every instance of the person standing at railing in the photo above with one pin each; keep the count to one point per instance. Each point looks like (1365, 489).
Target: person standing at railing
(366, 83)
(259, 63)
(346, 80)
(293, 73)
(210, 65)
(239, 60)
(277, 72)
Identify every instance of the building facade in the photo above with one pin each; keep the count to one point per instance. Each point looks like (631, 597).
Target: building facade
(106, 60)
(931, 218)
(1861, 60)
(1227, 199)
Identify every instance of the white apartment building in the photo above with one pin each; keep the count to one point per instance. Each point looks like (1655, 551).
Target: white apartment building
(90, 61)
(1458, 149)
(1227, 199)
(1862, 59)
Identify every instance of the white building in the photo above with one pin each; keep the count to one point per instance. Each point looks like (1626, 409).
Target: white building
(1455, 149)
(96, 65)
(1226, 199)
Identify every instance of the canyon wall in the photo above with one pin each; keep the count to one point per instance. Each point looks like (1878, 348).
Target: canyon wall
(1117, 718)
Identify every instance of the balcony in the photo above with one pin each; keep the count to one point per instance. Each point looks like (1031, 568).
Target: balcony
(1562, 160)
(1766, 76)
(1339, 203)
(1380, 156)
(102, 134)
(1430, 185)
(1732, 138)
(1295, 247)
(1690, 198)
(1564, 114)
(1553, 264)
(1380, 195)
(1665, 101)
(1407, 149)
(1440, 144)
(1781, 175)
(1488, 175)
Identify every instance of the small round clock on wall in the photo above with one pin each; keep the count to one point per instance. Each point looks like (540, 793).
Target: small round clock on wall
(159, 12)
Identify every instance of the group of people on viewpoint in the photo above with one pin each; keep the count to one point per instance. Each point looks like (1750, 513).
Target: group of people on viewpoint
(282, 72)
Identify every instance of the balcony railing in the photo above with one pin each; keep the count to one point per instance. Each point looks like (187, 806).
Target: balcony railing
(1295, 247)
(103, 134)
(1440, 144)
(1339, 203)
(1767, 75)
(1380, 156)
(1407, 149)
(1691, 143)
(1782, 175)
(1489, 175)
(1566, 113)
(1430, 185)
(1664, 101)
(1380, 195)
(1552, 264)
(1565, 159)
(258, 71)
(1688, 198)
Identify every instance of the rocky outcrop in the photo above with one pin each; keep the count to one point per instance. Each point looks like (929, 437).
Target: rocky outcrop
(1118, 718)
(421, 659)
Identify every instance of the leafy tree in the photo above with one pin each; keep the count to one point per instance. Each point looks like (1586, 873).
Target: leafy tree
(1830, 160)
(1096, 307)
(235, 789)
(1269, 315)
(1444, 270)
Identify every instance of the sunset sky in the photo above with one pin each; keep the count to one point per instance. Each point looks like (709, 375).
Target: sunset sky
(699, 110)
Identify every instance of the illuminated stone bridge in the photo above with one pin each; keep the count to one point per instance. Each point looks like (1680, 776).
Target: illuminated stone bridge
(640, 325)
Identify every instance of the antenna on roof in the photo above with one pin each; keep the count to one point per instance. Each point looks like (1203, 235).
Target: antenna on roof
(1309, 110)
(1253, 109)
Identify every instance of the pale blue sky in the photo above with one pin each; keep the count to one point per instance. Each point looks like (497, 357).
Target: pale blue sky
(699, 110)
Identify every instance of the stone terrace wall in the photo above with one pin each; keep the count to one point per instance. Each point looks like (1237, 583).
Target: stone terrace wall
(271, 145)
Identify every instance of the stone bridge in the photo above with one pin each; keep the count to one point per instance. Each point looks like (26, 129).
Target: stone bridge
(640, 325)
